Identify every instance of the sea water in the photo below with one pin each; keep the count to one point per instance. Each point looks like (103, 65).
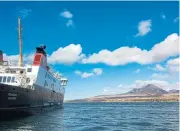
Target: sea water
(142, 116)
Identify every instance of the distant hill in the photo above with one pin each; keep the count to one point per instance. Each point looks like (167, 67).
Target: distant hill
(148, 92)
(149, 89)
(173, 91)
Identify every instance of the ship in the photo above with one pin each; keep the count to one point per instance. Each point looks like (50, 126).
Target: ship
(29, 88)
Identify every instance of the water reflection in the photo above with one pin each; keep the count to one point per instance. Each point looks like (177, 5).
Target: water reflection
(39, 122)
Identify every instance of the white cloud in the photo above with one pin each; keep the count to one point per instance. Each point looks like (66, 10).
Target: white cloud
(144, 27)
(112, 90)
(69, 23)
(138, 84)
(176, 19)
(10, 57)
(174, 61)
(173, 65)
(94, 72)
(121, 56)
(25, 12)
(64, 55)
(158, 67)
(67, 55)
(160, 83)
(137, 71)
(125, 55)
(109, 90)
(160, 76)
(86, 75)
(77, 72)
(163, 16)
(66, 14)
(13, 59)
(97, 71)
(83, 74)
(167, 48)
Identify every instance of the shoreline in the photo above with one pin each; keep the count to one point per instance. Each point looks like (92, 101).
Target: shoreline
(163, 98)
(125, 102)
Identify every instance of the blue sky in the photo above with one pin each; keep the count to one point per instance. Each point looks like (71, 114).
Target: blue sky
(101, 47)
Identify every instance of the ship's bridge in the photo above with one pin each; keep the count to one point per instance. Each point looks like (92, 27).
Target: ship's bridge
(15, 75)
(9, 79)
(64, 81)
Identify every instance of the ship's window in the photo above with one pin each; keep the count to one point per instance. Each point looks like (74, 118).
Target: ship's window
(27, 80)
(4, 79)
(5, 63)
(52, 85)
(29, 69)
(0, 78)
(12, 80)
(8, 79)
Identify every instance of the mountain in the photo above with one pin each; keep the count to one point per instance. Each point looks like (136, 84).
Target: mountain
(149, 89)
(146, 93)
(173, 91)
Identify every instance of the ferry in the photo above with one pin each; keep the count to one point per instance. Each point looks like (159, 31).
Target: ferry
(29, 88)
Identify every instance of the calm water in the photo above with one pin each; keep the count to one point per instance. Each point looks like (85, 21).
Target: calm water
(102, 117)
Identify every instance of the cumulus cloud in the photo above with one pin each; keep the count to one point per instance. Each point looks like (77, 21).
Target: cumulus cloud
(137, 71)
(173, 65)
(78, 72)
(25, 12)
(163, 16)
(97, 71)
(67, 55)
(108, 90)
(160, 83)
(160, 76)
(64, 55)
(140, 83)
(158, 67)
(13, 59)
(144, 27)
(10, 57)
(69, 23)
(125, 55)
(94, 72)
(66, 14)
(86, 75)
(176, 19)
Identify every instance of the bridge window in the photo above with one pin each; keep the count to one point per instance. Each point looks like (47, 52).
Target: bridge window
(8, 79)
(12, 80)
(4, 79)
(29, 70)
(27, 80)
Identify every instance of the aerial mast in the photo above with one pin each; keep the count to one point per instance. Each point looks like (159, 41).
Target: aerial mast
(20, 42)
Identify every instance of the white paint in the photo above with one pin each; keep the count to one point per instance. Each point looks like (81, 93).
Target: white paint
(38, 76)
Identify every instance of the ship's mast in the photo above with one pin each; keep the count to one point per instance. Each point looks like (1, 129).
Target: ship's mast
(20, 42)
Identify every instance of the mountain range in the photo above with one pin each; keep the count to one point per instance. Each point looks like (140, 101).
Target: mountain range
(149, 89)
(149, 92)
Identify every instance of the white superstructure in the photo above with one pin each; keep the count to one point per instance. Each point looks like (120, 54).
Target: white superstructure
(29, 75)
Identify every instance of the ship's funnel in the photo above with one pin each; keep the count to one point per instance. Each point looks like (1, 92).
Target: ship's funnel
(1, 56)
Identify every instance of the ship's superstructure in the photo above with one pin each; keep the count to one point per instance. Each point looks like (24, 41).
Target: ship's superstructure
(30, 87)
